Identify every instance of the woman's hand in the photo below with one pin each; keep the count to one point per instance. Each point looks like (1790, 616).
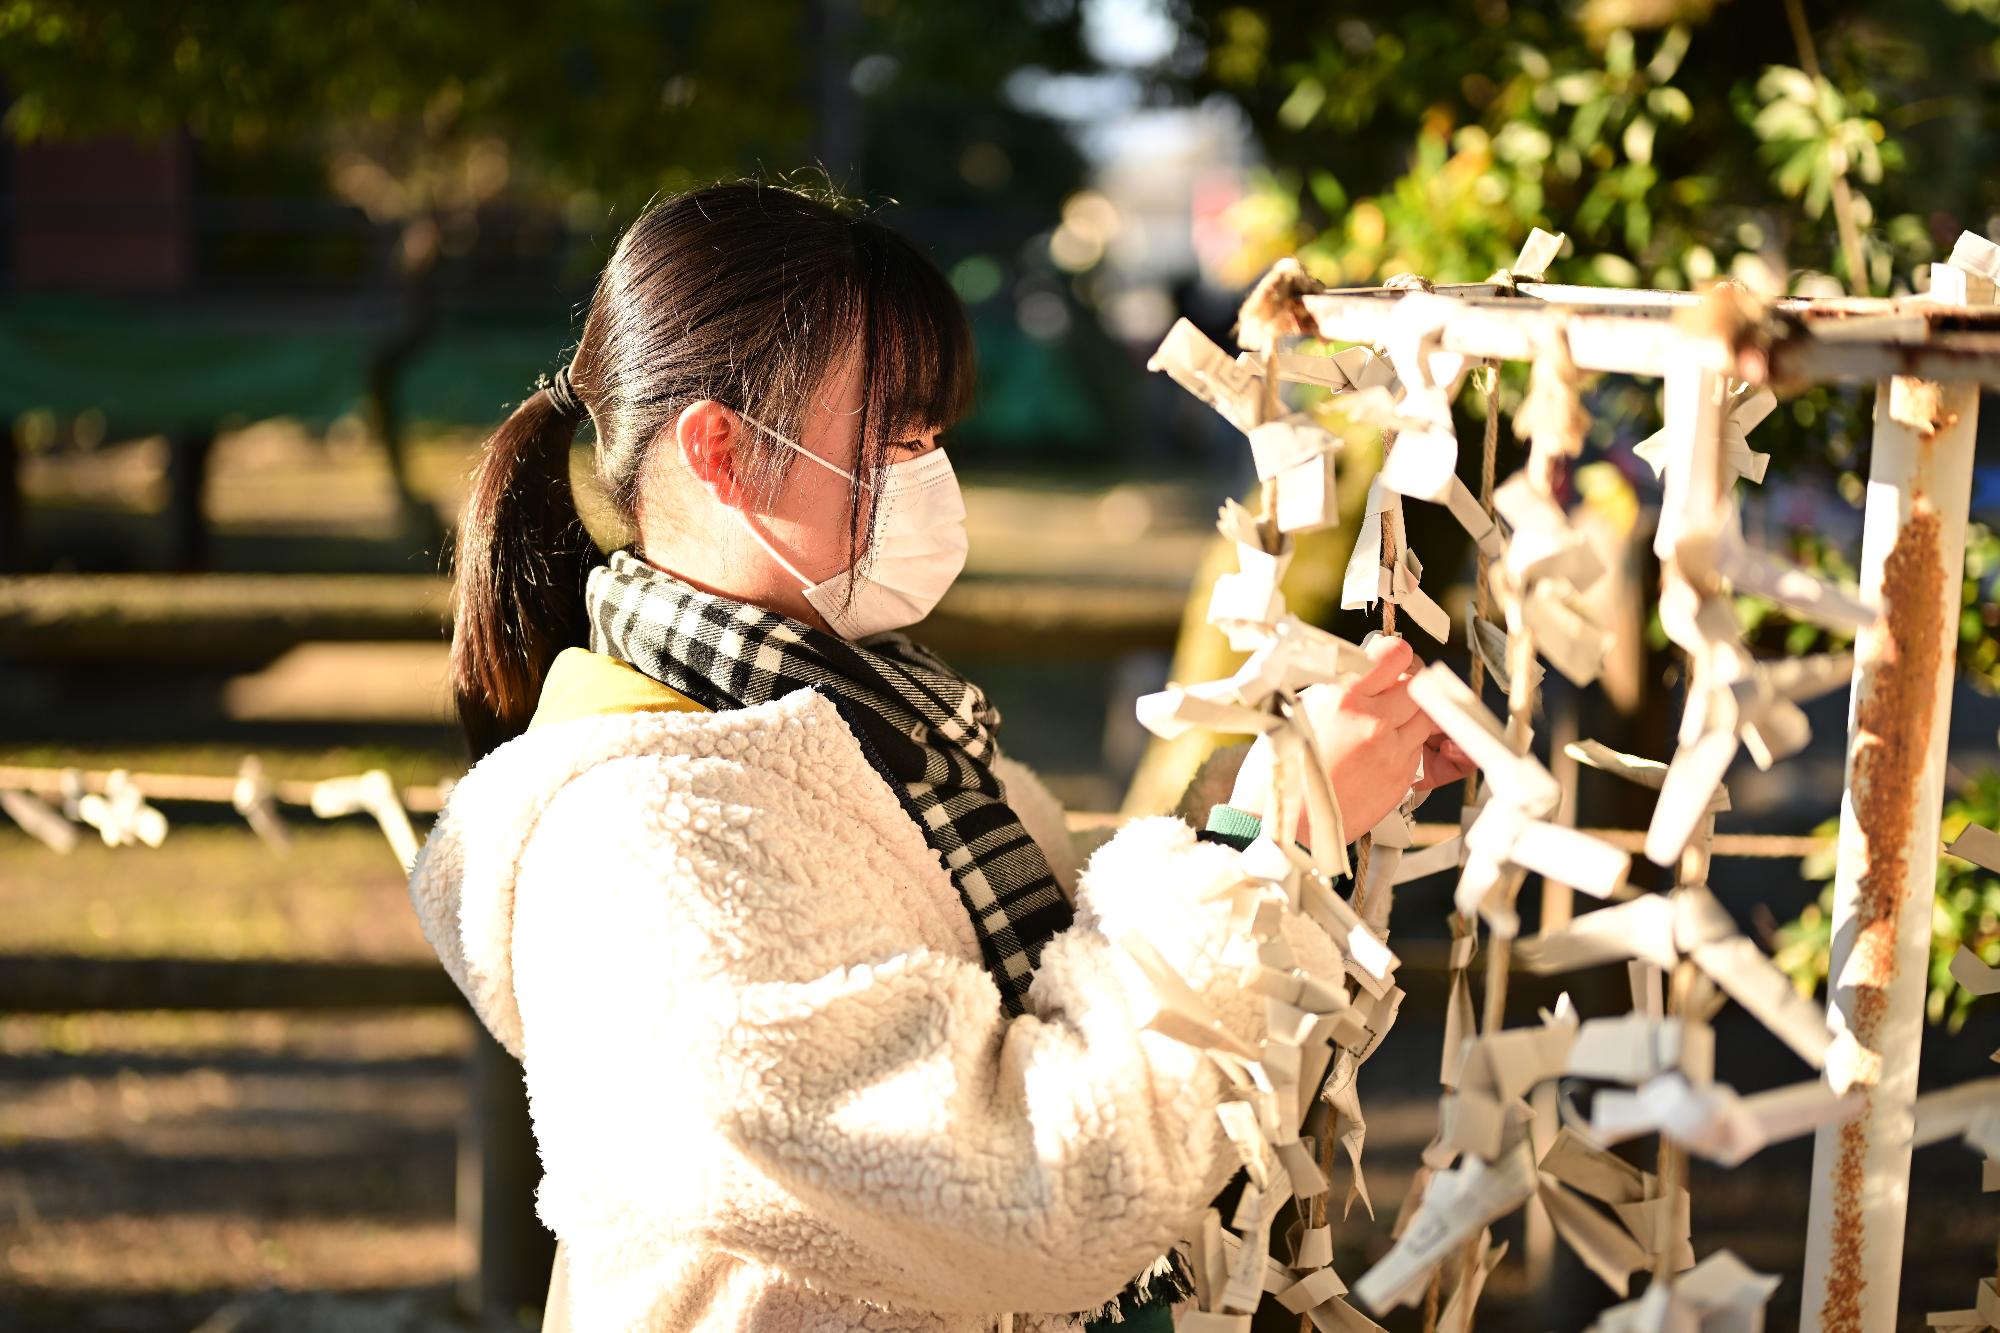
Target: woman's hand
(1212, 782)
(1444, 763)
(1370, 734)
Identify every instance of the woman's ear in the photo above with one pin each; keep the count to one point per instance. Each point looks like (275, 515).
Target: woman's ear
(707, 436)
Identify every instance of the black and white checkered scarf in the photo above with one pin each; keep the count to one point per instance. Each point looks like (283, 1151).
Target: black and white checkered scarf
(927, 730)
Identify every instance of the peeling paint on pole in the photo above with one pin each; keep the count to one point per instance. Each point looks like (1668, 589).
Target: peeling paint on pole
(1899, 718)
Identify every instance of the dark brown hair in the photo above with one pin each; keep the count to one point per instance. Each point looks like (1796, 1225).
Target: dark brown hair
(748, 294)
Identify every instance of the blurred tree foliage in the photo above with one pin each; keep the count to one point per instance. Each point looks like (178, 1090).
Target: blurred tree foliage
(421, 116)
(452, 101)
(1967, 912)
(421, 111)
(431, 117)
(1672, 140)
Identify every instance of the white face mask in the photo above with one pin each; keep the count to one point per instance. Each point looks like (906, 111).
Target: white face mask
(916, 552)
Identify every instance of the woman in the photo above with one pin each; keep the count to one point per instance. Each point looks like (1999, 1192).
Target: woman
(823, 1028)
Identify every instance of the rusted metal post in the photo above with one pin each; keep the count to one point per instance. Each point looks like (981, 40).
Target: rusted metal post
(497, 1174)
(13, 540)
(188, 453)
(1899, 716)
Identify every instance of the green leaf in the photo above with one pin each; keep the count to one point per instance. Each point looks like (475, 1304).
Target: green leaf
(1670, 104)
(1619, 54)
(1307, 97)
(1638, 140)
(1667, 56)
(1326, 191)
(1782, 81)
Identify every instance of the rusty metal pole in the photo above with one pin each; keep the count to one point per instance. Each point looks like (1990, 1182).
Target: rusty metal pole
(498, 1170)
(1899, 717)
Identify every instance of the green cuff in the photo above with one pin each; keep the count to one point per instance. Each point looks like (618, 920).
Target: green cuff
(1239, 828)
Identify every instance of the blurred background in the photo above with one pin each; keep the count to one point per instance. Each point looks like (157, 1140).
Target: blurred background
(268, 274)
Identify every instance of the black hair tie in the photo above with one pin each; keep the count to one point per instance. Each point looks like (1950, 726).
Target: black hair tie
(562, 395)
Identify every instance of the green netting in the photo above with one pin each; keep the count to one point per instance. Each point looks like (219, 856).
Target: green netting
(155, 366)
(151, 367)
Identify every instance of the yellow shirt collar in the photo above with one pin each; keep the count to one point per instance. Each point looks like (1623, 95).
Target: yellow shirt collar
(581, 683)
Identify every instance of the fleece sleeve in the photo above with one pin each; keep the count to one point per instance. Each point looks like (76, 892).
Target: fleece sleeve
(778, 1073)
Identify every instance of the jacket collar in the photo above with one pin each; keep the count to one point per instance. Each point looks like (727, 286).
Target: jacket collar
(581, 683)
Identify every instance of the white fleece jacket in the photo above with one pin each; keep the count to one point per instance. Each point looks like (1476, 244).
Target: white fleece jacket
(772, 1085)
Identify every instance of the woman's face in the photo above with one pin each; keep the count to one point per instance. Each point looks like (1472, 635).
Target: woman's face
(808, 520)
(700, 534)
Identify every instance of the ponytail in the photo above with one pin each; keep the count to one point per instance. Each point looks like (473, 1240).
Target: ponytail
(523, 554)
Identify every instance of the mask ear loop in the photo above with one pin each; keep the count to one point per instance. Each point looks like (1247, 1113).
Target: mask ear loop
(806, 584)
(790, 443)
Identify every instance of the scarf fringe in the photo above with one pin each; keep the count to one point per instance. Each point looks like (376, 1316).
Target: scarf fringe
(1167, 1278)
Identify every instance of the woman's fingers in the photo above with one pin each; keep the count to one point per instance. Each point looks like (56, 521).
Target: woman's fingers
(1392, 656)
(1394, 705)
(1416, 731)
(1444, 763)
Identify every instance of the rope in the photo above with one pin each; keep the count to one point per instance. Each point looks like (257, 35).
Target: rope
(1483, 605)
(1746, 846)
(1672, 1160)
(1364, 846)
(1391, 537)
(1316, 1212)
(1483, 591)
(1520, 707)
(192, 788)
(217, 789)
(1269, 408)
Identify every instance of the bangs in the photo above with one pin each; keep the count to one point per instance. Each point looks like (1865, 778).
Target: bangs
(915, 340)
